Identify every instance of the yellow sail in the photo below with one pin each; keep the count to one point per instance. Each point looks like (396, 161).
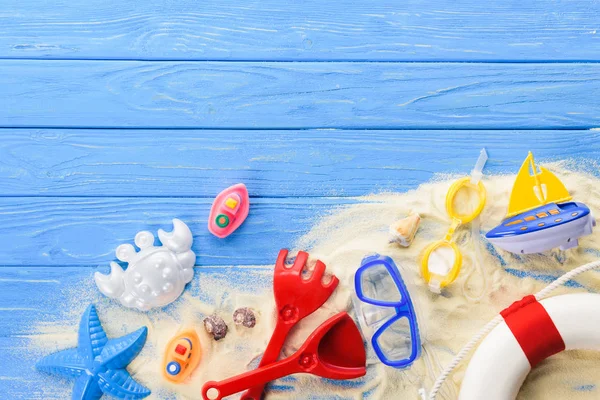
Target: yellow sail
(535, 188)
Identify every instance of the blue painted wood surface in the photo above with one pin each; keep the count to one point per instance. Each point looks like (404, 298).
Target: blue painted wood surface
(408, 30)
(116, 116)
(304, 95)
(86, 231)
(288, 163)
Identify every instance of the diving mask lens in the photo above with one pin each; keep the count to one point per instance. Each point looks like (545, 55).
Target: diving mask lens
(395, 341)
(373, 317)
(378, 286)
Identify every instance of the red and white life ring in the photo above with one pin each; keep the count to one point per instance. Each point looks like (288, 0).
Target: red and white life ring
(531, 332)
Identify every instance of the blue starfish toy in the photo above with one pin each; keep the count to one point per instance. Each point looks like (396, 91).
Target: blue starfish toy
(98, 364)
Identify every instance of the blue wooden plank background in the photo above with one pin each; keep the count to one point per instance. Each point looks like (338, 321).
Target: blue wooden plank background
(410, 30)
(292, 95)
(116, 116)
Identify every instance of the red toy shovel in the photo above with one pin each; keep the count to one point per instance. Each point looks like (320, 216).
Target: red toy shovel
(295, 298)
(335, 350)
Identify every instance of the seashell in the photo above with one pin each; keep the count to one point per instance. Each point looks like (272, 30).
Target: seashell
(244, 316)
(215, 326)
(403, 231)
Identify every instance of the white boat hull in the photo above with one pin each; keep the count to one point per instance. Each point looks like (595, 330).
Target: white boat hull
(564, 236)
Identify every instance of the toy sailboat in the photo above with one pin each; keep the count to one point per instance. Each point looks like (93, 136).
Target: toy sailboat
(541, 215)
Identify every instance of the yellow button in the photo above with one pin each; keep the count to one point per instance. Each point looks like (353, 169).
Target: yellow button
(574, 214)
(541, 224)
(523, 228)
(554, 212)
(558, 220)
(231, 203)
(529, 218)
(542, 215)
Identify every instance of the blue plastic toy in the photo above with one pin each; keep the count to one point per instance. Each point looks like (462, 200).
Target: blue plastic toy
(98, 364)
(387, 311)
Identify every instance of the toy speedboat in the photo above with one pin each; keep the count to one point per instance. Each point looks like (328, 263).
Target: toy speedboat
(229, 210)
(541, 215)
(182, 356)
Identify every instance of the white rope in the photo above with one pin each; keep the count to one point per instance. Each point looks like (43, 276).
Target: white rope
(498, 319)
(542, 294)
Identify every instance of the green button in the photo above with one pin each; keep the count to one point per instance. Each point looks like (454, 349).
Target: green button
(222, 220)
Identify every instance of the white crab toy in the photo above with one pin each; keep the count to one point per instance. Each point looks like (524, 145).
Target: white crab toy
(156, 275)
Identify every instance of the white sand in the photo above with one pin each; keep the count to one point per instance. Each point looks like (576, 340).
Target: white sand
(341, 239)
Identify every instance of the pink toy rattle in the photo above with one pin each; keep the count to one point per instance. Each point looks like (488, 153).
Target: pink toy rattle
(229, 210)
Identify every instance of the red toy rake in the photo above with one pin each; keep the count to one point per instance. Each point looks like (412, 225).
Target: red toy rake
(295, 298)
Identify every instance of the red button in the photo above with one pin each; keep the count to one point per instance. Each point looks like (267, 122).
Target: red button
(180, 349)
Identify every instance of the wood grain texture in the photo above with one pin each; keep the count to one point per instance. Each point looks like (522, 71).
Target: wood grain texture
(304, 163)
(298, 95)
(72, 231)
(412, 30)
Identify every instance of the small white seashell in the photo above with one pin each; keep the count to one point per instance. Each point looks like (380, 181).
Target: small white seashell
(403, 231)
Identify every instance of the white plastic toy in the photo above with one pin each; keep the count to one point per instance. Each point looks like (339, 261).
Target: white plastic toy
(156, 275)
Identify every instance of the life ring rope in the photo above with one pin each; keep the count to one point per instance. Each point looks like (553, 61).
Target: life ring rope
(544, 293)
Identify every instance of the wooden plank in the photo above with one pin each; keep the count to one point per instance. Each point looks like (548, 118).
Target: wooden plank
(67, 231)
(298, 95)
(315, 163)
(412, 30)
(18, 379)
(56, 296)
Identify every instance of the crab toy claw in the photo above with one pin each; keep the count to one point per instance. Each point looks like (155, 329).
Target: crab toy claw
(179, 239)
(156, 275)
(111, 285)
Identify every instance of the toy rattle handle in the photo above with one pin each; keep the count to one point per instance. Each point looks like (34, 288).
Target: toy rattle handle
(261, 376)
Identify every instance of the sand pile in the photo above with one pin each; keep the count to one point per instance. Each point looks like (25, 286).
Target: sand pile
(341, 239)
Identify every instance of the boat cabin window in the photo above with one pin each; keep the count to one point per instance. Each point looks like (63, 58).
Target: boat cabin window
(529, 218)
(515, 222)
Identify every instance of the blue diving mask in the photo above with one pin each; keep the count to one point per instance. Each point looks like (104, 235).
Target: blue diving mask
(386, 312)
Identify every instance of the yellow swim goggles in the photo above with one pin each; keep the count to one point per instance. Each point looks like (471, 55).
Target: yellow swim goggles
(442, 260)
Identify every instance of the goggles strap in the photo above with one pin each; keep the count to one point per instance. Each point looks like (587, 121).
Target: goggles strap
(435, 285)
